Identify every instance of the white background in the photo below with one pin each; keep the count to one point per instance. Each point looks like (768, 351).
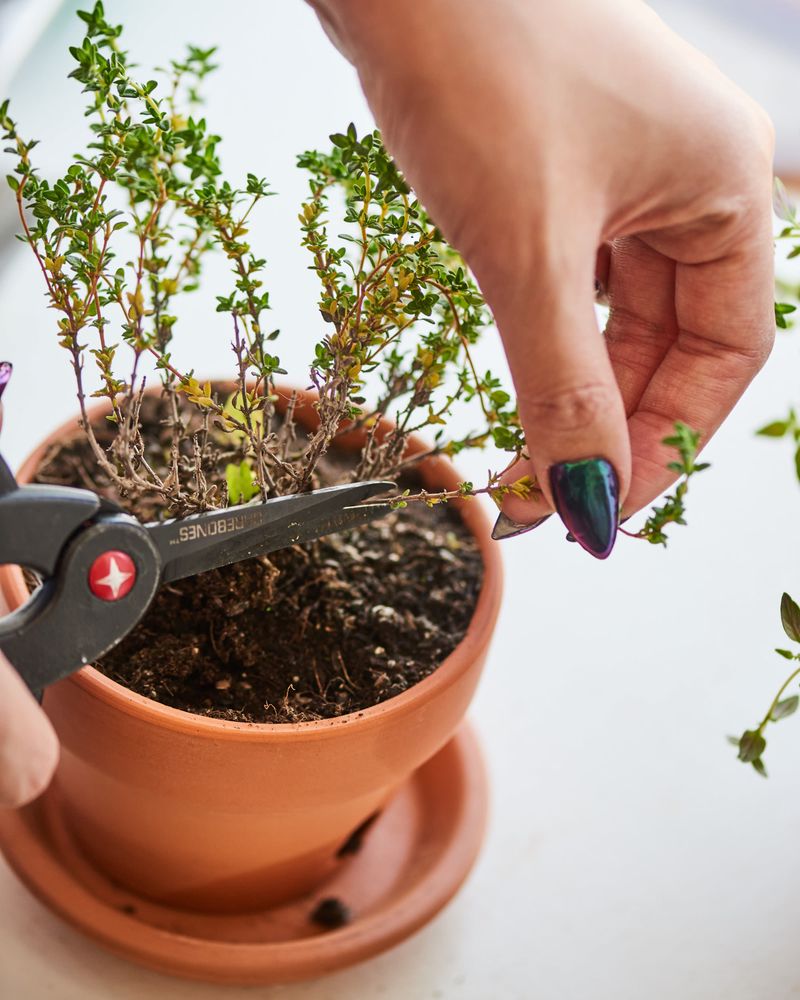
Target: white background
(629, 854)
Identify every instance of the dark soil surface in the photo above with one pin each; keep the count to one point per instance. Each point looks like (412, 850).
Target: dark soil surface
(311, 632)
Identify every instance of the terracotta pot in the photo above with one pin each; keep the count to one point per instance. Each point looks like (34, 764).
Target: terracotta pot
(205, 814)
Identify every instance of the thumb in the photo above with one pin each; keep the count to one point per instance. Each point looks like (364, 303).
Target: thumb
(569, 404)
(28, 744)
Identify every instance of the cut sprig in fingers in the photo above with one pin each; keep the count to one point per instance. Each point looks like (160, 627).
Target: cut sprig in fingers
(672, 511)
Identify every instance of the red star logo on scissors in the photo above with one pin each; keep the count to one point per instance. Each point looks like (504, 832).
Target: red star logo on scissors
(112, 575)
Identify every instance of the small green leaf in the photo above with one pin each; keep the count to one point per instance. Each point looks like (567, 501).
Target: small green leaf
(774, 430)
(790, 617)
(758, 767)
(785, 708)
(241, 484)
(782, 310)
(787, 654)
(751, 745)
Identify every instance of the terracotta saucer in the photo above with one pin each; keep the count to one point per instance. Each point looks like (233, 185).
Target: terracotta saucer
(412, 860)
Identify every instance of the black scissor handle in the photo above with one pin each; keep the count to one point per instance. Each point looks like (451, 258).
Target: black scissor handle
(66, 624)
(37, 521)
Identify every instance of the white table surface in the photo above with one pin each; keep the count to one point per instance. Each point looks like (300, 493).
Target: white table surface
(629, 855)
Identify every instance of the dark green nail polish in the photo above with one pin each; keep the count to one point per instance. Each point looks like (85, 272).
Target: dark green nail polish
(586, 493)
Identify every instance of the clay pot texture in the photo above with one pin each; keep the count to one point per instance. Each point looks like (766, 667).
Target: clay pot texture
(207, 814)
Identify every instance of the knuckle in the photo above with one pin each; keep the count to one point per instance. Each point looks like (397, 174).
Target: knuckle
(567, 410)
(747, 199)
(743, 201)
(749, 357)
(735, 216)
(751, 140)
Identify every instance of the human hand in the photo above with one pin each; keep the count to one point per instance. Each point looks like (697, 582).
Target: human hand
(556, 142)
(28, 743)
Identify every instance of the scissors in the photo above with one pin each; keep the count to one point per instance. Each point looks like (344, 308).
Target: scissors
(100, 567)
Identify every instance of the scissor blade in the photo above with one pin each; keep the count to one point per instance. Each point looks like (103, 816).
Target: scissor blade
(207, 541)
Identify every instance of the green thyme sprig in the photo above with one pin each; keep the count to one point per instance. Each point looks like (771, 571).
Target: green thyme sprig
(785, 209)
(752, 743)
(789, 427)
(687, 443)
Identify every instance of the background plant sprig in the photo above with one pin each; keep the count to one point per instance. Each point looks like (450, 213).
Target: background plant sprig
(786, 211)
(752, 743)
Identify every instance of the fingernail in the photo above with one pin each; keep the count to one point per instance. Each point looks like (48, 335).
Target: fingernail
(506, 527)
(6, 368)
(586, 494)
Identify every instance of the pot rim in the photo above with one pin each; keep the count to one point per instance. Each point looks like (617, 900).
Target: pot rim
(479, 631)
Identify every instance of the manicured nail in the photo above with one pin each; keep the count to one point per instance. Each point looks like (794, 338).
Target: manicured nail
(506, 527)
(587, 499)
(6, 368)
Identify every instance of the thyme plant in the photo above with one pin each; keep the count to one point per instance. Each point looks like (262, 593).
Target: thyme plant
(123, 234)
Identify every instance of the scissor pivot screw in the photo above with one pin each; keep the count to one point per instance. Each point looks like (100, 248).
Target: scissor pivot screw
(112, 575)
